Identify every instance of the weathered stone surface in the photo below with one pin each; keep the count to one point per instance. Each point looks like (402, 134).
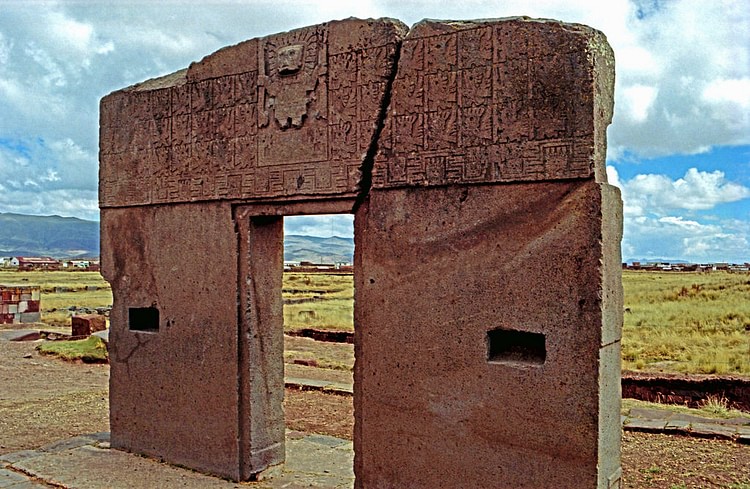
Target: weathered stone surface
(488, 295)
(438, 270)
(261, 353)
(173, 384)
(85, 324)
(497, 101)
(288, 115)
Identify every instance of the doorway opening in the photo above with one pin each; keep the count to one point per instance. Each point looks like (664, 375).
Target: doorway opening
(318, 312)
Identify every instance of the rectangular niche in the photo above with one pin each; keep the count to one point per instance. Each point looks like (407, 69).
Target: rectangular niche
(144, 319)
(516, 347)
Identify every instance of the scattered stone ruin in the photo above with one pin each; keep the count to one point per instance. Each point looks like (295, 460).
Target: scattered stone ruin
(20, 304)
(488, 302)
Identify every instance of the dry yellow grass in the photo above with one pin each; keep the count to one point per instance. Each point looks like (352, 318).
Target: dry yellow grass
(674, 322)
(687, 322)
(61, 290)
(330, 306)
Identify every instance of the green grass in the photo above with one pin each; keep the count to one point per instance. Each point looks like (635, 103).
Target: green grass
(333, 308)
(687, 322)
(91, 350)
(49, 281)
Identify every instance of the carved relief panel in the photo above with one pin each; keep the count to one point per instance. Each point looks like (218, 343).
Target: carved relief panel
(293, 115)
(489, 101)
(287, 116)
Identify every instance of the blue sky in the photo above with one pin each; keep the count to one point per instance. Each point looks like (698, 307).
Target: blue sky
(679, 144)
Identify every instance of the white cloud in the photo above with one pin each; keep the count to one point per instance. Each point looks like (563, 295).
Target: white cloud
(696, 55)
(639, 99)
(728, 102)
(676, 238)
(70, 32)
(733, 91)
(654, 228)
(54, 75)
(696, 190)
(83, 204)
(50, 176)
(341, 225)
(681, 222)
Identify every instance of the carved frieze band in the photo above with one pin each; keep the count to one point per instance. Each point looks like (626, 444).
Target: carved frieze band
(298, 125)
(509, 101)
(482, 102)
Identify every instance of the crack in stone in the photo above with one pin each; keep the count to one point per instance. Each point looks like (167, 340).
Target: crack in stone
(368, 163)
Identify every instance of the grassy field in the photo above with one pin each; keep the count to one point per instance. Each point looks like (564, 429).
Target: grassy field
(330, 301)
(687, 322)
(674, 322)
(61, 290)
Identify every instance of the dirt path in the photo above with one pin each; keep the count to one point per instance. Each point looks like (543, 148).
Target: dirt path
(44, 399)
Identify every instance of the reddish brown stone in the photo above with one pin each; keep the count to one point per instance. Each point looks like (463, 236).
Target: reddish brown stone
(248, 123)
(85, 324)
(522, 257)
(503, 101)
(488, 295)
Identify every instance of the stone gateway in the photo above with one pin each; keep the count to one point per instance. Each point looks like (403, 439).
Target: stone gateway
(488, 299)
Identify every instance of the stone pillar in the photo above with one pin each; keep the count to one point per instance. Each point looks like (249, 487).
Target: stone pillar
(261, 343)
(189, 165)
(174, 351)
(488, 301)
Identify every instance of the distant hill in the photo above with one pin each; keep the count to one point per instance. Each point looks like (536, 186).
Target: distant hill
(70, 237)
(318, 250)
(55, 236)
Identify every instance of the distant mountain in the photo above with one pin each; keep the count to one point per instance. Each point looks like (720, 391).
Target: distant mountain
(55, 236)
(318, 250)
(70, 237)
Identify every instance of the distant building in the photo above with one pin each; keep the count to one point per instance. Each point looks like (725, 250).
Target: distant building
(35, 263)
(687, 267)
(310, 267)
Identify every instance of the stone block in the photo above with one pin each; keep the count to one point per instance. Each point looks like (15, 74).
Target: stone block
(85, 324)
(439, 271)
(174, 334)
(290, 115)
(511, 100)
(488, 293)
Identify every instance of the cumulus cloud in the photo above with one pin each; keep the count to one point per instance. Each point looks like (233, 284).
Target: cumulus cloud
(341, 225)
(696, 190)
(63, 202)
(697, 55)
(653, 227)
(682, 87)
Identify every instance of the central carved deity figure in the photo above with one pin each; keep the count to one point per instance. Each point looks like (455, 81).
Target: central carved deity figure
(290, 59)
